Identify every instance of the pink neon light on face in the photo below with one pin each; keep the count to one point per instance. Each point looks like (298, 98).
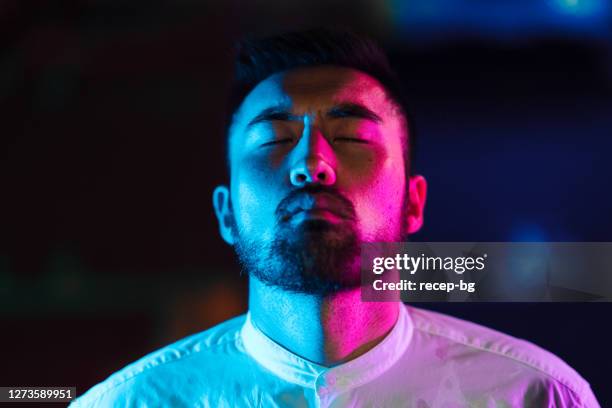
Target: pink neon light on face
(361, 157)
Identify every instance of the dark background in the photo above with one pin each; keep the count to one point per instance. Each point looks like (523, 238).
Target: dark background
(110, 145)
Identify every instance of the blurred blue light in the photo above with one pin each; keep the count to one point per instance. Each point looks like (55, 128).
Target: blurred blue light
(577, 8)
(528, 233)
(448, 19)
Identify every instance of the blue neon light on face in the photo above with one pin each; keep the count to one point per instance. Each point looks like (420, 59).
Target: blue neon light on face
(317, 166)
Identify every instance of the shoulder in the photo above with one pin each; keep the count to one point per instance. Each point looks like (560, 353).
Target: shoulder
(195, 358)
(501, 356)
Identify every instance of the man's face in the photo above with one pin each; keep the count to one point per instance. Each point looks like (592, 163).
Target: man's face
(317, 168)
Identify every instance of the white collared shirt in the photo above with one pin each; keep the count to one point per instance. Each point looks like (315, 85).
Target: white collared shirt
(428, 360)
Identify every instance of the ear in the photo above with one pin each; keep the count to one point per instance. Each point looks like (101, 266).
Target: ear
(417, 194)
(223, 211)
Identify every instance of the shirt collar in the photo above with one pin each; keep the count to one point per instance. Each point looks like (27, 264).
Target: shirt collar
(295, 369)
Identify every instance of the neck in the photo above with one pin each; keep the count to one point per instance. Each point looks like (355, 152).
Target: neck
(327, 330)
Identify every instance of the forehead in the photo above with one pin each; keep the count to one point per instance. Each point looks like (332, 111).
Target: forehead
(313, 88)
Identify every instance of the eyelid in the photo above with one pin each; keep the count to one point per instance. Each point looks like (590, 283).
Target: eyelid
(275, 142)
(351, 139)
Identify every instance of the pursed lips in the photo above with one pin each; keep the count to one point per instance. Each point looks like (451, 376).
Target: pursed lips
(317, 202)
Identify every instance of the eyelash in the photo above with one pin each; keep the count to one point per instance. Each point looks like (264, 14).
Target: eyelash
(350, 140)
(276, 142)
(337, 139)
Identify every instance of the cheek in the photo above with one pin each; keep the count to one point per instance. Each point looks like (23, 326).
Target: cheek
(382, 199)
(378, 185)
(253, 198)
(390, 184)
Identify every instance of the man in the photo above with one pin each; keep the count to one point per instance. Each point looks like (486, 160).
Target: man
(319, 146)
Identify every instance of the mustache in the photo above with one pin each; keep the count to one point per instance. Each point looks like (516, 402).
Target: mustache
(342, 205)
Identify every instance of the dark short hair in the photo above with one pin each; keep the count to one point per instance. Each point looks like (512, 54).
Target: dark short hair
(258, 58)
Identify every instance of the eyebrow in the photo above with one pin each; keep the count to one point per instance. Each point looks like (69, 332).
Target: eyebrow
(353, 110)
(343, 110)
(273, 113)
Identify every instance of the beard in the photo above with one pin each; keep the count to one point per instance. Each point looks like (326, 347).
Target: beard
(314, 257)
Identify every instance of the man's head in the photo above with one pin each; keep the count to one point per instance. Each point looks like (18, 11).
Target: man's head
(318, 151)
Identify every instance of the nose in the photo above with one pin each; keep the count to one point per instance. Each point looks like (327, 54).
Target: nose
(312, 170)
(313, 161)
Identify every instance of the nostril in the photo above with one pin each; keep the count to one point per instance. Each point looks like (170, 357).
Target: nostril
(301, 178)
(321, 176)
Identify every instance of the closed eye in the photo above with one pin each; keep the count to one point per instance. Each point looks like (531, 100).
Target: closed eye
(350, 140)
(277, 142)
